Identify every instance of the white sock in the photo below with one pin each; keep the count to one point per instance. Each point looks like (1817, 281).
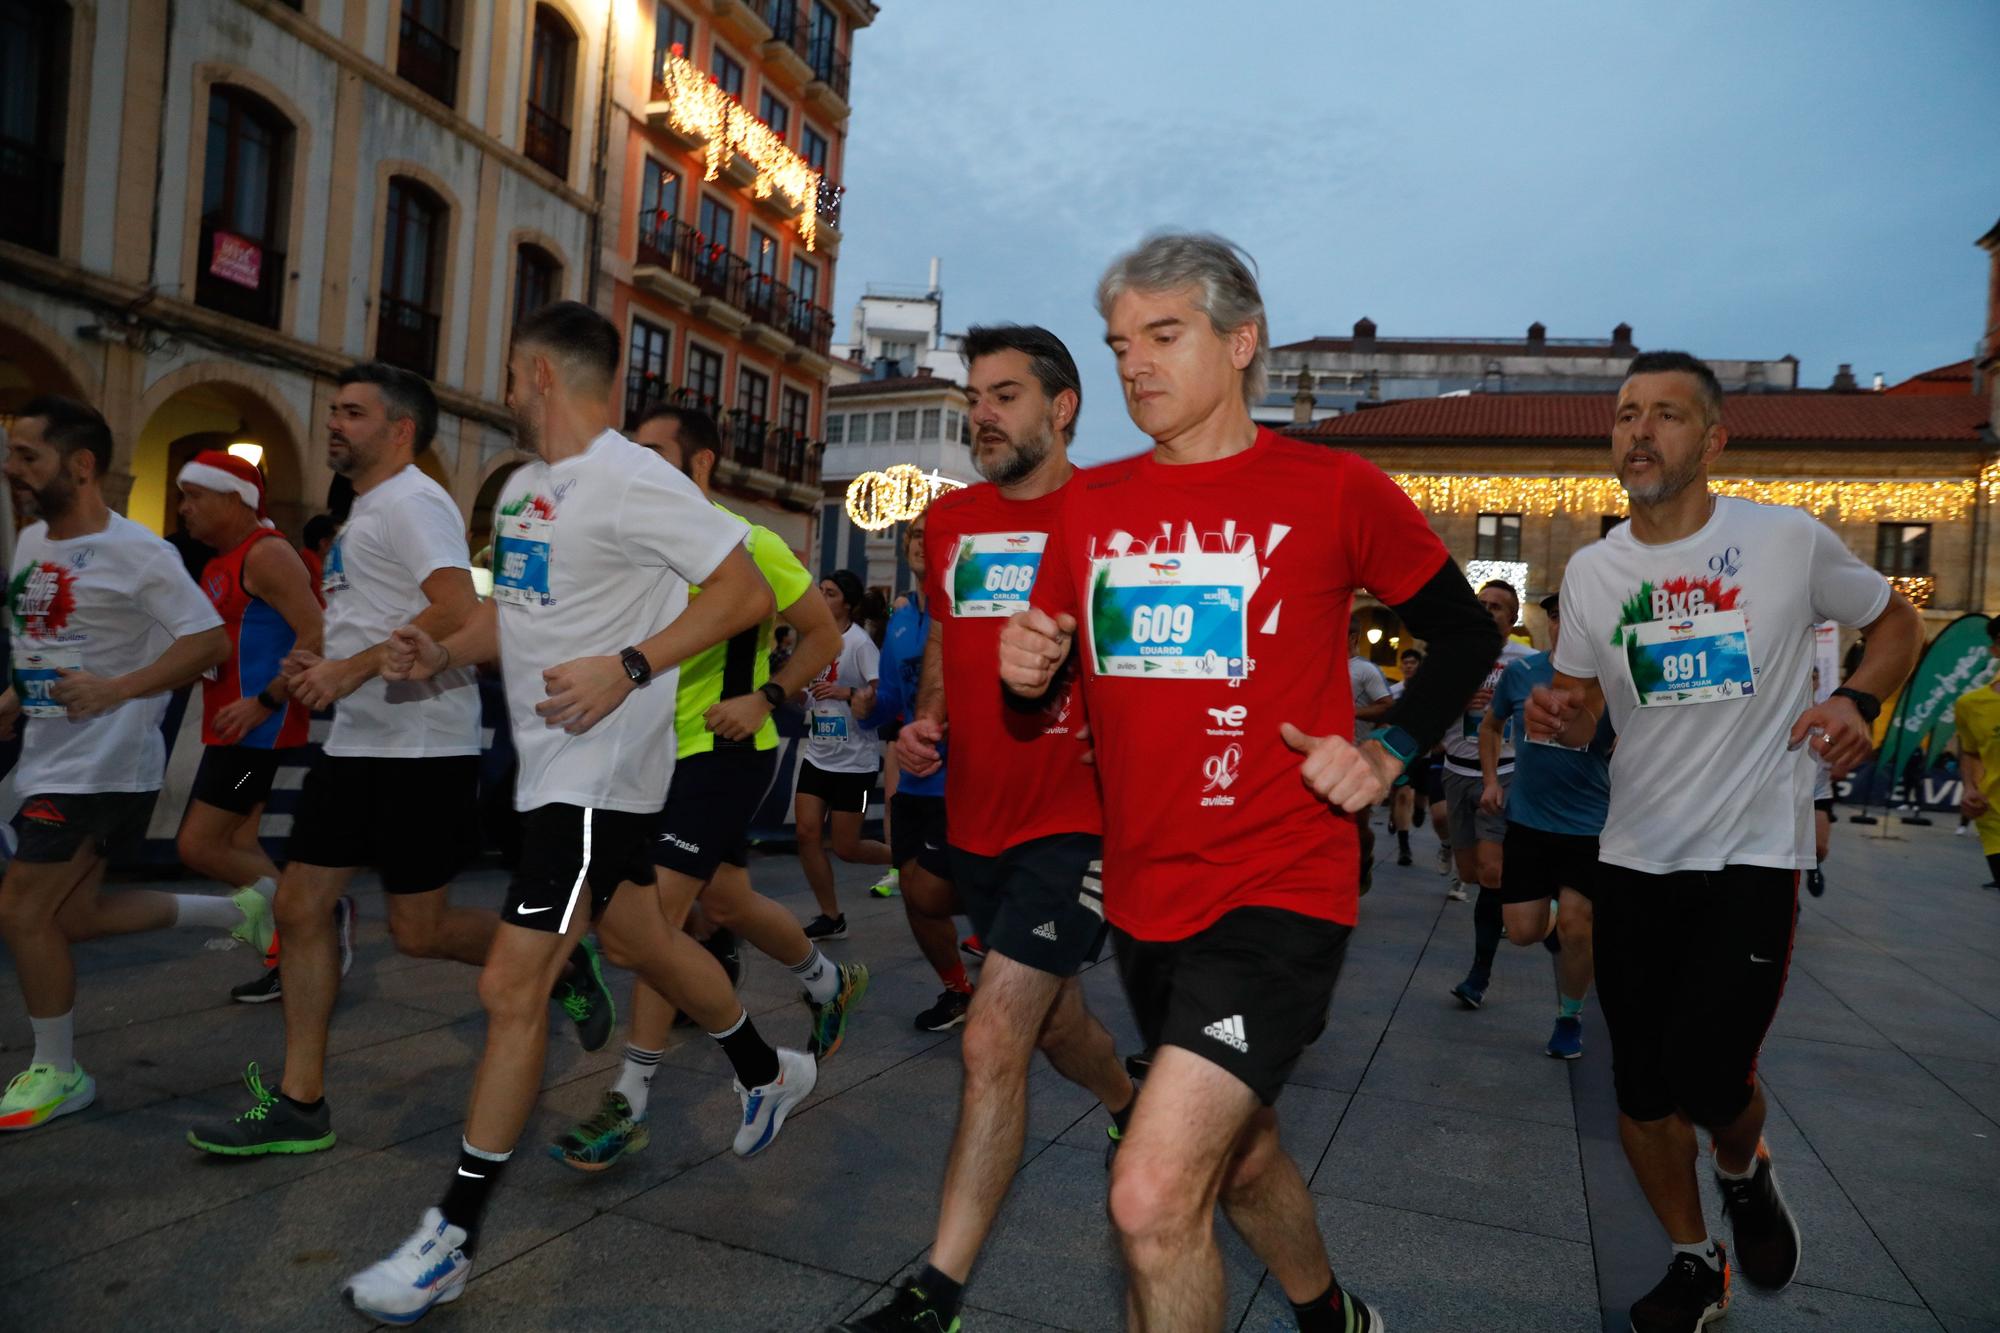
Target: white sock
(1744, 1174)
(266, 886)
(635, 1079)
(55, 1040)
(821, 977)
(1705, 1251)
(212, 911)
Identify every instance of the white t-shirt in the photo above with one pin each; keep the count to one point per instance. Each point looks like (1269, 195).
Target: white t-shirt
(1700, 785)
(108, 603)
(395, 537)
(1461, 743)
(837, 744)
(1369, 687)
(591, 556)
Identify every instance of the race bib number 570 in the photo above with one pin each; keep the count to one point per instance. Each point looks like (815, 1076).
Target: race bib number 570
(1182, 616)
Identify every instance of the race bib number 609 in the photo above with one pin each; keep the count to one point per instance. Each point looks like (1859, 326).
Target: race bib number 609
(1183, 616)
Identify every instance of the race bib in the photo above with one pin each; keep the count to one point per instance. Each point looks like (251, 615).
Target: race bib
(333, 574)
(521, 560)
(36, 666)
(829, 727)
(992, 573)
(1181, 616)
(1694, 660)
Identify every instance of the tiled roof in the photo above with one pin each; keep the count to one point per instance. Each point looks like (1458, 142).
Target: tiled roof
(897, 384)
(1954, 378)
(1460, 347)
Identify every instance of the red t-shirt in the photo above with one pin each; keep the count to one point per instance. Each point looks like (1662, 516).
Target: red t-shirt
(1218, 608)
(1011, 774)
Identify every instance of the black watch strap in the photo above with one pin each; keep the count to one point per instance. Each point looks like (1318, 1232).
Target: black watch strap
(1866, 704)
(773, 692)
(264, 698)
(636, 666)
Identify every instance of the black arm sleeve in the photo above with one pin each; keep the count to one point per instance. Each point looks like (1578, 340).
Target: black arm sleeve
(1461, 645)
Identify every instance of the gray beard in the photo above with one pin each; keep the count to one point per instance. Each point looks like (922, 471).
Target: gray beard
(1667, 487)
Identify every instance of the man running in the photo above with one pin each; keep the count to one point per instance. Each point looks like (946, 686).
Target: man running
(1692, 624)
(842, 759)
(396, 785)
(1977, 715)
(597, 541)
(1555, 810)
(262, 590)
(1404, 812)
(1206, 588)
(1372, 702)
(105, 622)
(1026, 822)
(726, 756)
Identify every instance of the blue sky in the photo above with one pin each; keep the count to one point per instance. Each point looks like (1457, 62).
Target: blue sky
(1740, 180)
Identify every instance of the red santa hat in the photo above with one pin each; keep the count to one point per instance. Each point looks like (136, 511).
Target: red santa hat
(214, 470)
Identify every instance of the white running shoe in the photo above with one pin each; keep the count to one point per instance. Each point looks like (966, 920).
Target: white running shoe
(1444, 858)
(1456, 892)
(430, 1268)
(765, 1107)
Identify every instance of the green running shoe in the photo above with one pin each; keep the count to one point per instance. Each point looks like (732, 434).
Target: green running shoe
(258, 925)
(586, 999)
(40, 1093)
(829, 1020)
(887, 886)
(272, 1125)
(604, 1138)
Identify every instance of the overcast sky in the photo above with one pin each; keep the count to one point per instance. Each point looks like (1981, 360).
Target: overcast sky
(1742, 180)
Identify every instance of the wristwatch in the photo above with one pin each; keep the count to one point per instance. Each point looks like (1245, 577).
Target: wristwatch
(1865, 704)
(773, 693)
(1397, 742)
(637, 668)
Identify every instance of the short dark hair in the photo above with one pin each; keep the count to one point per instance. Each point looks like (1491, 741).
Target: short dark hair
(1054, 368)
(319, 528)
(406, 394)
(1551, 607)
(72, 426)
(1512, 591)
(1658, 363)
(578, 334)
(850, 587)
(695, 430)
(1409, 652)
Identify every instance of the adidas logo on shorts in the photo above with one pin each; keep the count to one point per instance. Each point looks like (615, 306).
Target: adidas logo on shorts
(1047, 931)
(1229, 1031)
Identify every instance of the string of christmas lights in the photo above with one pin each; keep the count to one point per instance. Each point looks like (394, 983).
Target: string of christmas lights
(896, 494)
(1853, 501)
(697, 106)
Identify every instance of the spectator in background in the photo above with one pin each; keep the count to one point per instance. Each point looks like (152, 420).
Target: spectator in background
(320, 530)
(1371, 701)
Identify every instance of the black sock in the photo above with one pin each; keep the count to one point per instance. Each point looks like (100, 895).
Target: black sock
(749, 1054)
(1323, 1314)
(1403, 841)
(943, 1292)
(307, 1107)
(474, 1180)
(1489, 923)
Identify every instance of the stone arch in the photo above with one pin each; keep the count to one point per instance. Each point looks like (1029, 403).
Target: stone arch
(492, 477)
(34, 359)
(208, 405)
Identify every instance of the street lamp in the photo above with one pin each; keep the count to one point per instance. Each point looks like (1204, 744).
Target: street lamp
(250, 452)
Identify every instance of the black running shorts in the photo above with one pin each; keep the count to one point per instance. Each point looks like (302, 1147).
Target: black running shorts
(917, 833)
(50, 827)
(1249, 993)
(1690, 967)
(237, 778)
(574, 859)
(844, 793)
(1040, 902)
(414, 820)
(710, 803)
(1536, 863)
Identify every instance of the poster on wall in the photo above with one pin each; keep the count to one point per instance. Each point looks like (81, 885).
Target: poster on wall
(234, 259)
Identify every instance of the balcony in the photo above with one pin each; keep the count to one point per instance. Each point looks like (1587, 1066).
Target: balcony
(547, 142)
(239, 278)
(406, 335)
(745, 20)
(678, 262)
(757, 457)
(811, 326)
(723, 279)
(789, 52)
(829, 77)
(31, 180)
(427, 61)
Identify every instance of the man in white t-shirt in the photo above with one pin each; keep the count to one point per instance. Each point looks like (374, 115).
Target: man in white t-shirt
(1693, 625)
(842, 759)
(1372, 702)
(104, 622)
(596, 542)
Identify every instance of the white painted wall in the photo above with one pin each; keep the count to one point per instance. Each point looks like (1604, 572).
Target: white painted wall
(107, 118)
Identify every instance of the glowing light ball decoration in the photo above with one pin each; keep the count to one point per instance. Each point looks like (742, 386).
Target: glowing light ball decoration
(896, 494)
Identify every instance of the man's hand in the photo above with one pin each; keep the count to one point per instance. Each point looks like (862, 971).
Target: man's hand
(1481, 699)
(411, 654)
(1972, 804)
(235, 721)
(1843, 742)
(319, 682)
(920, 746)
(85, 695)
(1338, 773)
(826, 689)
(1492, 798)
(1033, 648)
(1550, 711)
(584, 692)
(738, 719)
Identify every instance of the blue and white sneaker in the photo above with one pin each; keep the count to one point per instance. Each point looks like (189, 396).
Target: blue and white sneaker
(765, 1107)
(1566, 1042)
(430, 1268)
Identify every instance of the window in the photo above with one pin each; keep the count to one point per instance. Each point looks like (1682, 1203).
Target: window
(906, 424)
(951, 425)
(753, 392)
(704, 374)
(836, 429)
(550, 77)
(659, 192)
(406, 334)
(796, 415)
(239, 269)
(34, 82)
(931, 418)
(537, 280)
(645, 370)
(1903, 548)
(827, 63)
(814, 148)
(763, 253)
(425, 56)
(774, 113)
(717, 223)
(728, 73)
(669, 31)
(805, 281)
(883, 422)
(965, 431)
(1499, 537)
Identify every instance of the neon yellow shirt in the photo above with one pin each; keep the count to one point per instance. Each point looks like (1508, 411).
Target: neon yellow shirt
(740, 665)
(1977, 713)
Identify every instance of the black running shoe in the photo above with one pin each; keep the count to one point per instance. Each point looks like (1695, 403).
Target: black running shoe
(824, 927)
(585, 998)
(947, 1013)
(1361, 1318)
(273, 1124)
(1138, 1066)
(910, 1312)
(1690, 1295)
(1761, 1227)
(261, 989)
(1816, 886)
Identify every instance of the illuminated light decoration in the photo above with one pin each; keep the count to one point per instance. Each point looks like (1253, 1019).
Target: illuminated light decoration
(249, 451)
(1854, 501)
(896, 494)
(1919, 588)
(1374, 634)
(1513, 573)
(698, 107)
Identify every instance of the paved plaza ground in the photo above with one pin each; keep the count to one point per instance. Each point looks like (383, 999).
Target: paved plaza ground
(1465, 1181)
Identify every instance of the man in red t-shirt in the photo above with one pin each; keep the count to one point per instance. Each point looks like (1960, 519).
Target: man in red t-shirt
(1205, 587)
(1023, 816)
